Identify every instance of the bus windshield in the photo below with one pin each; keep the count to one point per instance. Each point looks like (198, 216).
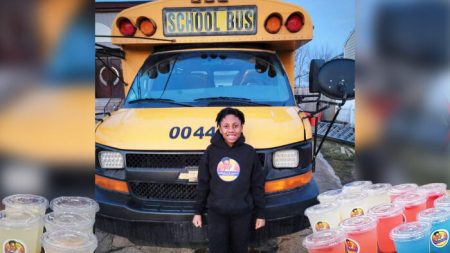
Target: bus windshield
(210, 78)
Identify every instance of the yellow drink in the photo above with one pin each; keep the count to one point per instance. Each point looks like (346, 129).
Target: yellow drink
(352, 205)
(68, 221)
(378, 194)
(323, 216)
(19, 230)
(66, 241)
(80, 205)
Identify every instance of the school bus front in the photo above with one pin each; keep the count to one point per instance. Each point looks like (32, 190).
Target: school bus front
(148, 151)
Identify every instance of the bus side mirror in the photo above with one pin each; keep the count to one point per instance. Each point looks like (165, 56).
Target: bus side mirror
(334, 79)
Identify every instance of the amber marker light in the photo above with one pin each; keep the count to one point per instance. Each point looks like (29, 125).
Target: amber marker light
(147, 26)
(288, 183)
(111, 184)
(273, 23)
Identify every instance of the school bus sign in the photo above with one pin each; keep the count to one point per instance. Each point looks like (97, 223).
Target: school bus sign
(237, 20)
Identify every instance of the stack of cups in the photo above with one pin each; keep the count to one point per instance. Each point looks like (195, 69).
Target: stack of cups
(413, 203)
(80, 205)
(34, 204)
(352, 204)
(66, 241)
(377, 194)
(440, 227)
(389, 216)
(20, 231)
(433, 191)
(329, 196)
(323, 216)
(327, 241)
(361, 234)
(355, 186)
(443, 202)
(412, 237)
(401, 189)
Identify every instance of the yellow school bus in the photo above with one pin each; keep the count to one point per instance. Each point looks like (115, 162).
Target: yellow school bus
(183, 62)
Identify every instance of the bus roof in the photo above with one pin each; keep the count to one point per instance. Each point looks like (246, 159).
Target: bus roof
(213, 21)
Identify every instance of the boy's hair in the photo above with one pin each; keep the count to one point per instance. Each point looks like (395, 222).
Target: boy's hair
(227, 111)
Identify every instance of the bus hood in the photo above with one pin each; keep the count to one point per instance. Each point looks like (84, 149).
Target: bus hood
(190, 128)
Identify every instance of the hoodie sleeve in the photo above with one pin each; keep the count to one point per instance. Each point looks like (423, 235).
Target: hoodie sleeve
(203, 185)
(257, 187)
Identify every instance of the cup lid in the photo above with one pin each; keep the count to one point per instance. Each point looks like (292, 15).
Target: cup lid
(434, 215)
(410, 231)
(359, 223)
(386, 210)
(329, 196)
(321, 209)
(402, 188)
(74, 204)
(70, 221)
(26, 200)
(352, 197)
(411, 199)
(434, 188)
(18, 219)
(69, 241)
(375, 189)
(355, 186)
(443, 201)
(324, 238)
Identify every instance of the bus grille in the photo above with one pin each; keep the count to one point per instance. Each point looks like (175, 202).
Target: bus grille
(169, 160)
(163, 191)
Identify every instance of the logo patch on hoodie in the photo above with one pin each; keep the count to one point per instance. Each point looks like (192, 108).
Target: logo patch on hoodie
(228, 169)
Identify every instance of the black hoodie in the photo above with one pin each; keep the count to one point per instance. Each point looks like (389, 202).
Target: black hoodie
(230, 179)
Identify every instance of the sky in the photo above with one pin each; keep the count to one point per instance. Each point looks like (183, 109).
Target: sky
(333, 21)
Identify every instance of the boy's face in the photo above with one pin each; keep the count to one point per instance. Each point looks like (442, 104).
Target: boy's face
(231, 129)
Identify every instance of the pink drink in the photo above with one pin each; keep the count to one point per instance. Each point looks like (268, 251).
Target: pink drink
(326, 241)
(433, 191)
(389, 216)
(361, 234)
(401, 189)
(413, 204)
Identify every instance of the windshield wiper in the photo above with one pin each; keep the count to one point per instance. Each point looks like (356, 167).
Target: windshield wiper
(236, 99)
(164, 100)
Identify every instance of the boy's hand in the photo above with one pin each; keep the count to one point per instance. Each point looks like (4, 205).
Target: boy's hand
(197, 221)
(260, 223)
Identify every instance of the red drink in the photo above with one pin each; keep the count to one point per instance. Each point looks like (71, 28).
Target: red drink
(401, 189)
(325, 241)
(413, 204)
(433, 191)
(389, 216)
(361, 234)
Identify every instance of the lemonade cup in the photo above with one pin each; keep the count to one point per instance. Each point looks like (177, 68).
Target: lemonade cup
(68, 221)
(361, 234)
(413, 203)
(323, 216)
(355, 186)
(80, 205)
(325, 241)
(19, 230)
(433, 191)
(389, 216)
(66, 241)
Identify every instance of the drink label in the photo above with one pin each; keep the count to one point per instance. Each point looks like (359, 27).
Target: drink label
(439, 238)
(322, 225)
(351, 246)
(357, 212)
(14, 246)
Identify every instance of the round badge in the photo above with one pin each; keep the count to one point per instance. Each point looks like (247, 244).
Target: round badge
(439, 238)
(322, 225)
(357, 212)
(351, 246)
(14, 246)
(228, 169)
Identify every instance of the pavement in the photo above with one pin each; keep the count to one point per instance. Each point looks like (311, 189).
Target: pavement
(326, 180)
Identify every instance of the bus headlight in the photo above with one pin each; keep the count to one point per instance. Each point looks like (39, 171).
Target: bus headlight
(286, 158)
(110, 160)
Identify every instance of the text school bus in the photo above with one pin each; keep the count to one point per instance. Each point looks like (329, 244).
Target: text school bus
(184, 61)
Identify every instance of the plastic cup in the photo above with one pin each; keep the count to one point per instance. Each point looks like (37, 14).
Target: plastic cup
(28, 202)
(329, 196)
(66, 241)
(440, 227)
(377, 194)
(443, 202)
(19, 230)
(411, 237)
(389, 216)
(323, 216)
(413, 203)
(352, 205)
(355, 186)
(80, 205)
(361, 234)
(401, 189)
(326, 241)
(68, 221)
(433, 191)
